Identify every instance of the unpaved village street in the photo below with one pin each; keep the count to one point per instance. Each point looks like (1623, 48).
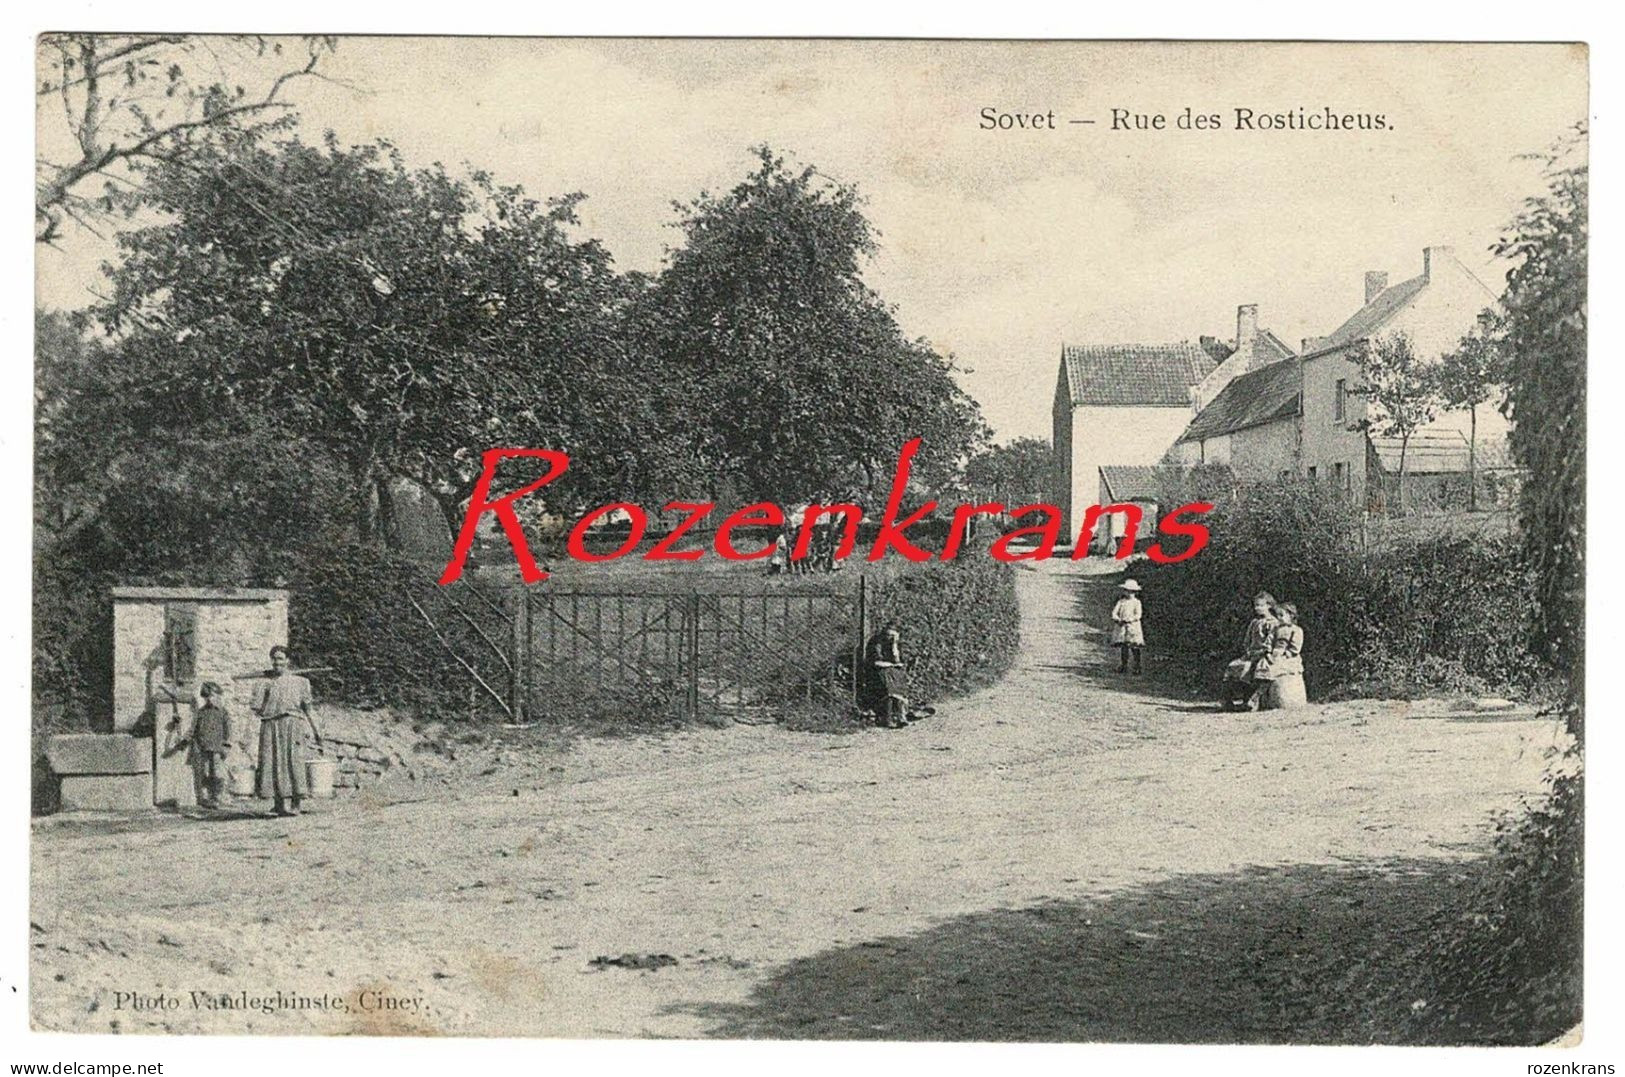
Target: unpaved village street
(1068, 855)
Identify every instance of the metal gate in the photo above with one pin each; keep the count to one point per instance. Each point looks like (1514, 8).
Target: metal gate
(748, 655)
(538, 654)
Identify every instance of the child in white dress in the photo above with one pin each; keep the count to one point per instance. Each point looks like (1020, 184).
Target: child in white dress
(1127, 633)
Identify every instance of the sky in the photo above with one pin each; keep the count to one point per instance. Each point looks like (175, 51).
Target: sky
(997, 246)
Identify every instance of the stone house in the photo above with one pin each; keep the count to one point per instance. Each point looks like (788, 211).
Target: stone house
(1247, 411)
(1280, 415)
(1435, 310)
(1124, 405)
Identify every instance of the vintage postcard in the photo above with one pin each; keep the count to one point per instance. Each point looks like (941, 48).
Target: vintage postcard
(809, 539)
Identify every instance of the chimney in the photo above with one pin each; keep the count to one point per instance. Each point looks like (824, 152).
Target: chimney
(1376, 282)
(1430, 255)
(1247, 335)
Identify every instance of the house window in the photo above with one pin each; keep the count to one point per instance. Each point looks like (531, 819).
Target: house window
(1311, 471)
(1339, 408)
(1340, 475)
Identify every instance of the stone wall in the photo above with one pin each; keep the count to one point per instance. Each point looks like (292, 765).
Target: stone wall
(232, 632)
(166, 642)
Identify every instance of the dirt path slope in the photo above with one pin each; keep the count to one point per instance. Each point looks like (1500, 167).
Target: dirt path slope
(1069, 854)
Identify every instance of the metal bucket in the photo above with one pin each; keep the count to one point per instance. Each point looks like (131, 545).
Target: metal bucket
(242, 781)
(322, 776)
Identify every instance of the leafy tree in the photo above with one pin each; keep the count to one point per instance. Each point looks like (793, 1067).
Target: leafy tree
(1018, 473)
(1473, 374)
(1545, 332)
(1402, 388)
(796, 378)
(130, 100)
(400, 320)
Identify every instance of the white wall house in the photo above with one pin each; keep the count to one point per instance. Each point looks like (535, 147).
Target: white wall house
(1126, 405)
(1435, 309)
(1118, 404)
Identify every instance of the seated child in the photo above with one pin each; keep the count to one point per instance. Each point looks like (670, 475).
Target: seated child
(1240, 684)
(1281, 672)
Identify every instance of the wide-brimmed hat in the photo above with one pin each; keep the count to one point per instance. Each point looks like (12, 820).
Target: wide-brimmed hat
(1128, 585)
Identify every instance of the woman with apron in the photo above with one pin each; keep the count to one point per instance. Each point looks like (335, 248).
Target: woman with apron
(889, 675)
(281, 700)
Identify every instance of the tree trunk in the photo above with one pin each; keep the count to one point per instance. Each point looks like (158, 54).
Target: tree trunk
(1472, 458)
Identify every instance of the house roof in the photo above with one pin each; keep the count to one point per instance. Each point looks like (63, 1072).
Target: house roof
(1150, 375)
(1374, 315)
(1270, 348)
(1132, 482)
(1251, 399)
(1440, 452)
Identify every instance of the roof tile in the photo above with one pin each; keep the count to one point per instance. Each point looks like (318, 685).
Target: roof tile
(1251, 399)
(1154, 375)
(1374, 315)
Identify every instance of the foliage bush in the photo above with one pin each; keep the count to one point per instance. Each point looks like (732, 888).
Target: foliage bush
(352, 610)
(1524, 925)
(1435, 614)
(1500, 963)
(960, 623)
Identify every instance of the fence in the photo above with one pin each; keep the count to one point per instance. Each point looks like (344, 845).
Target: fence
(544, 654)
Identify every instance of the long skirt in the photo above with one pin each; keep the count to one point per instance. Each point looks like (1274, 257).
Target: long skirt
(1284, 692)
(894, 682)
(282, 763)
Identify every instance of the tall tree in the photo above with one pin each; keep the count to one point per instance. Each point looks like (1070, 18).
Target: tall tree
(1474, 373)
(798, 380)
(123, 101)
(1402, 389)
(1018, 473)
(1545, 331)
(401, 320)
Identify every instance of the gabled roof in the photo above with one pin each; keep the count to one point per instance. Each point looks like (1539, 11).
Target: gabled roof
(1132, 482)
(1271, 348)
(1268, 348)
(1251, 399)
(1374, 315)
(1147, 375)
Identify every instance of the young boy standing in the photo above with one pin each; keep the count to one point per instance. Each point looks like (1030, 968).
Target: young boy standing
(211, 733)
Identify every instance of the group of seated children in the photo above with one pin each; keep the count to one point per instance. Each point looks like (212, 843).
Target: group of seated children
(1269, 673)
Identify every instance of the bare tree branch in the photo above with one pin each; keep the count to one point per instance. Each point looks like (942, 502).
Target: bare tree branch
(115, 129)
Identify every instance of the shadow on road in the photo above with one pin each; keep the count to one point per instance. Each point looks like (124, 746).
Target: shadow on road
(1284, 955)
(1098, 661)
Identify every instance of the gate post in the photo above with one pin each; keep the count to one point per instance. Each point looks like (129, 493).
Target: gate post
(694, 655)
(862, 634)
(518, 688)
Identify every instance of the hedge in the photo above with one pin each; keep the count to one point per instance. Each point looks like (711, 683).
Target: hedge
(352, 610)
(1432, 614)
(961, 626)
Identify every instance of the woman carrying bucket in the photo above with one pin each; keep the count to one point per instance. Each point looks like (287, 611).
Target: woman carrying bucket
(281, 700)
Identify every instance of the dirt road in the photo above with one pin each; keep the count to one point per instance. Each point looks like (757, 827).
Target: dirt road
(1068, 855)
